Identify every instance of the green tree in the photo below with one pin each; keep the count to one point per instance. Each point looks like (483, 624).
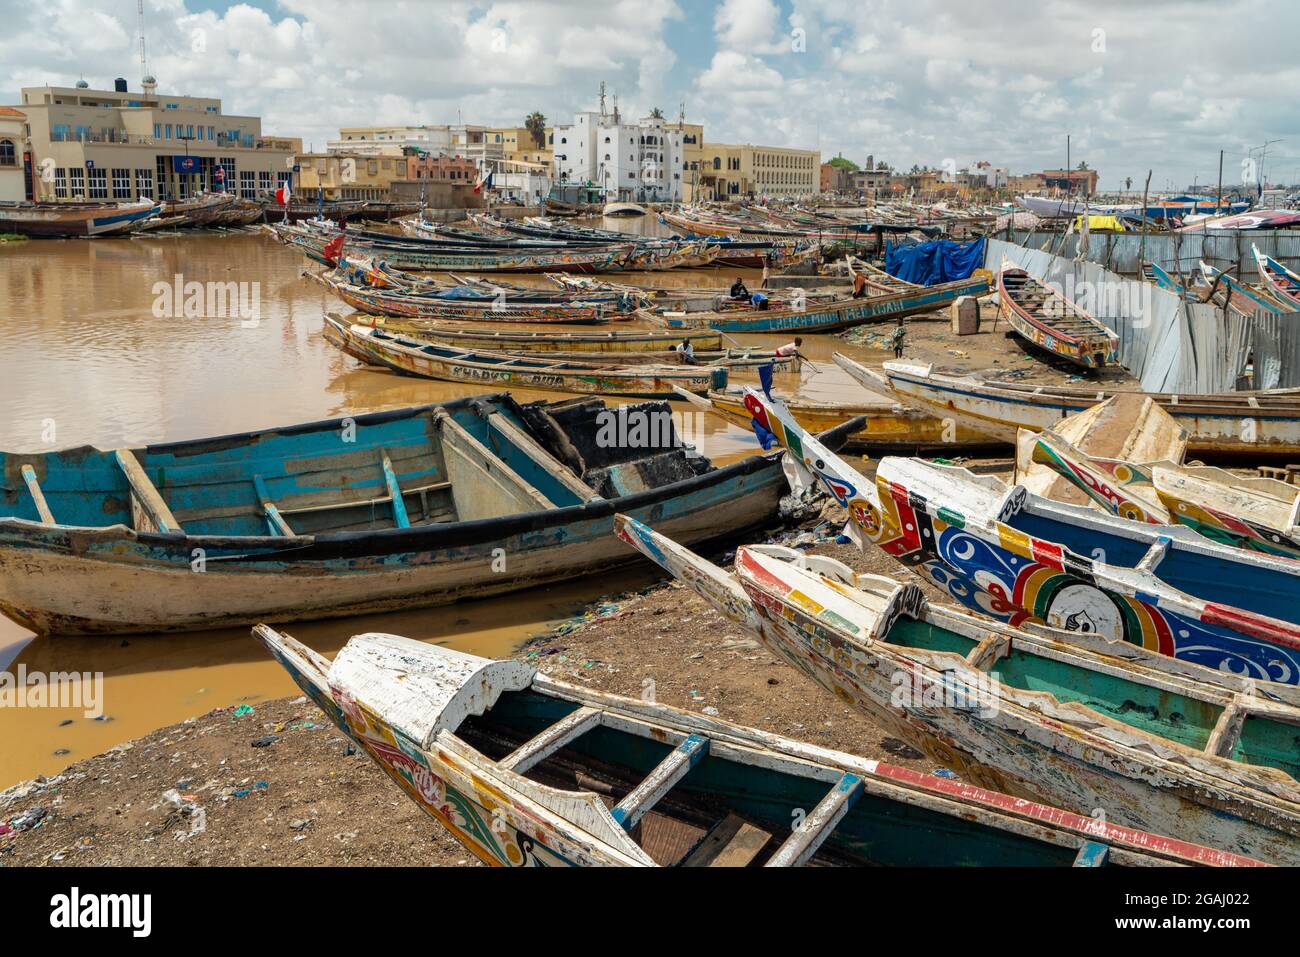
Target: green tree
(656, 114)
(535, 123)
(843, 163)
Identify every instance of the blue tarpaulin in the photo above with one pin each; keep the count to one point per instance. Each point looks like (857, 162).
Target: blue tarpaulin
(934, 262)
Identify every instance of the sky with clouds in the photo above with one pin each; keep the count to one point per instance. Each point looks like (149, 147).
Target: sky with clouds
(1164, 87)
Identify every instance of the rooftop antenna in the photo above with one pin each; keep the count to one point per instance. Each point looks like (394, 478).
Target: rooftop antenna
(144, 62)
(616, 109)
(681, 113)
(602, 99)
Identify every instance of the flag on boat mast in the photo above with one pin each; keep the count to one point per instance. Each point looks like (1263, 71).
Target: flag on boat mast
(483, 182)
(282, 195)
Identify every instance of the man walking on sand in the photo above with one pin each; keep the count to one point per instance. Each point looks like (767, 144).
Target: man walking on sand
(897, 337)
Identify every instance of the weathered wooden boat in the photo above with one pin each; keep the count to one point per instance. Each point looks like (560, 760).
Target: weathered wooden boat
(550, 342)
(525, 770)
(1045, 318)
(202, 209)
(432, 360)
(406, 508)
(1258, 514)
(1265, 422)
(68, 220)
(887, 426)
(840, 314)
(1283, 283)
(1067, 718)
(1016, 557)
(383, 302)
(338, 210)
(1247, 300)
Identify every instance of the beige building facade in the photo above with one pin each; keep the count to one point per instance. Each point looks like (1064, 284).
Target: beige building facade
(13, 149)
(107, 145)
(742, 170)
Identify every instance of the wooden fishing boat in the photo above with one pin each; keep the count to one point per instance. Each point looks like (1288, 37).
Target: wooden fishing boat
(525, 770)
(1258, 514)
(1281, 282)
(839, 314)
(549, 342)
(1047, 319)
(406, 508)
(431, 360)
(738, 357)
(1246, 299)
(68, 220)
(1061, 717)
(384, 302)
(887, 426)
(1016, 557)
(303, 211)
(203, 209)
(1252, 424)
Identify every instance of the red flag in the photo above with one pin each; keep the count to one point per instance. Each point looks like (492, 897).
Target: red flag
(333, 250)
(282, 195)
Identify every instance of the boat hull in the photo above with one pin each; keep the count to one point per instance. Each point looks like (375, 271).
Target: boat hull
(84, 581)
(842, 315)
(1225, 424)
(68, 221)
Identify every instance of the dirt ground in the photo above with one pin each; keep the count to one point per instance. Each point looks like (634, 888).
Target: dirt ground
(279, 785)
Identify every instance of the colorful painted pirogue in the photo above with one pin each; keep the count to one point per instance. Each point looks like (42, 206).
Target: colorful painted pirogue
(1257, 514)
(1047, 319)
(399, 509)
(431, 360)
(1071, 719)
(840, 314)
(528, 771)
(1283, 283)
(1246, 423)
(888, 426)
(1223, 287)
(1017, 557)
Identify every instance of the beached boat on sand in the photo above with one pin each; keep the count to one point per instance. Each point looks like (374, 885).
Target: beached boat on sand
(888, 426)
(432, 360)
(399, 509)
(1258, 423)
(1068, 718)
(1016, 557)
(525, 770)
(1045, 318)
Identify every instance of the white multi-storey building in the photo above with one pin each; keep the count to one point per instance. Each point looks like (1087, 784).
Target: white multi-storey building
(640, 161)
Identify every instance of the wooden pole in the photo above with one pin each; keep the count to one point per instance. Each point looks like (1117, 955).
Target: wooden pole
(1142, 256)
(1218, 201)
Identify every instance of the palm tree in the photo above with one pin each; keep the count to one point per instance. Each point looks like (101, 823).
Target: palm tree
(535, 123)
(656, 114)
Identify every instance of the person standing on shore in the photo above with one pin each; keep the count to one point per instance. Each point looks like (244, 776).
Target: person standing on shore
(767, 267)
(897, 337)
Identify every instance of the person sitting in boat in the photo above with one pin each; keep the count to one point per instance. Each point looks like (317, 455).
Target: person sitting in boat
(686, 352)
(790, 349)
(738, 290)
(859, 285)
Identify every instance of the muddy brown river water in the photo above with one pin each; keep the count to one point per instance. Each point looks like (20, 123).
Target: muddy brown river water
(88, 359)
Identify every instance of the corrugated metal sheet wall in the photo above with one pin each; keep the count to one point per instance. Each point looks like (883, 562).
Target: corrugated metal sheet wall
(1168, 344)
(1175, 252)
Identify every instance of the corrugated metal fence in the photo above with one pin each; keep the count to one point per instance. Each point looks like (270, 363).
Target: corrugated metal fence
(1175, 252)
(1168, 344)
